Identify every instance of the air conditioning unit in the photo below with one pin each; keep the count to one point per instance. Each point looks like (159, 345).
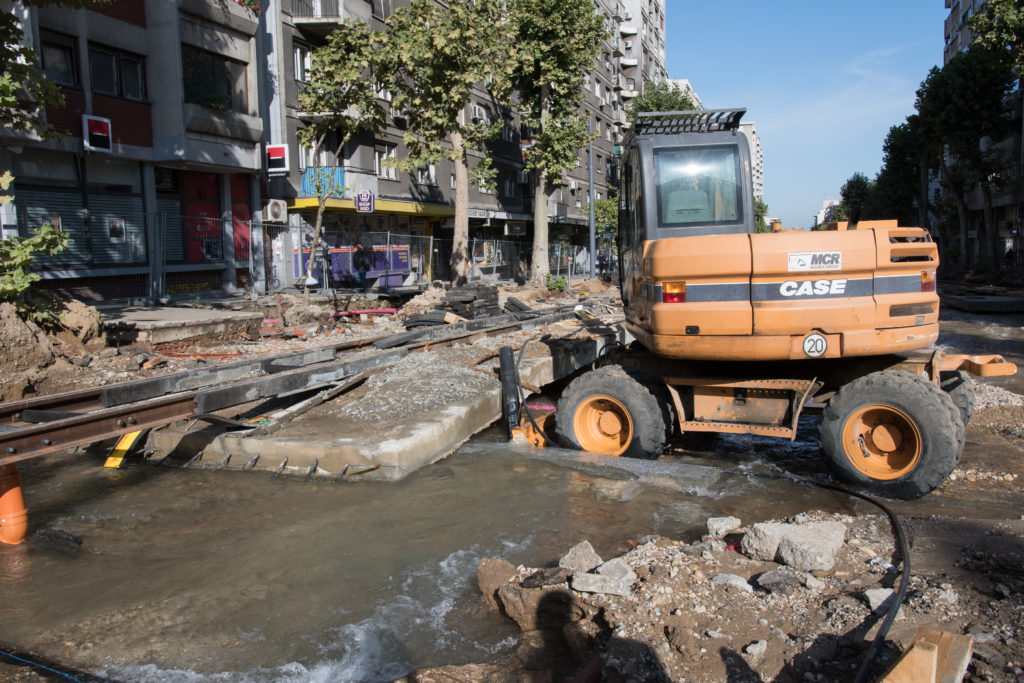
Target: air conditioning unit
(572, 185)
(628, 45)
(275, 211)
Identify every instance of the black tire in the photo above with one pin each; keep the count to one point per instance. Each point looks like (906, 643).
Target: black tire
(960, 387)
(910, 414)
(647, 411)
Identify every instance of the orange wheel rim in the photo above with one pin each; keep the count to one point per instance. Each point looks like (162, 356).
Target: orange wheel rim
(603, 425)
(882, 442)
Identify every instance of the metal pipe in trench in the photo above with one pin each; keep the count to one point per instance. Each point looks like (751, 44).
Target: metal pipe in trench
(13, 514)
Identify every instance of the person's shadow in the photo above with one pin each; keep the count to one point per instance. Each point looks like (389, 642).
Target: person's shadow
(583, 650)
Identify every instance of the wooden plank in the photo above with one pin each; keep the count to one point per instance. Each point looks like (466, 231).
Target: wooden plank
(955, 652)
(917, 665)
(933, 656)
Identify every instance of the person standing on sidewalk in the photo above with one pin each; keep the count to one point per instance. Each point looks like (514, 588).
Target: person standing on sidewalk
(360, 264)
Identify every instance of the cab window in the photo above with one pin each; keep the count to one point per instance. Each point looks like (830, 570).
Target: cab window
(698, 186)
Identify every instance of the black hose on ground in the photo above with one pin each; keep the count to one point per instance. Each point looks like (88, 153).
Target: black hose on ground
(901, 592)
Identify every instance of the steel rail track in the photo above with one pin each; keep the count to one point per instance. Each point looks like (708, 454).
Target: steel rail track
(86, 416)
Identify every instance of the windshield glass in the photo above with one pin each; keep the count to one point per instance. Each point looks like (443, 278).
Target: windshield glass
(698, 185)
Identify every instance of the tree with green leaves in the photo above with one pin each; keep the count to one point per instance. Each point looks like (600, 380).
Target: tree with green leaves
(761, 215)
(900, 190)
(557, 43)
(854, 193)
(437, 56)
(661, 96)
(338, 101)
(962, 109)
(16, 256)
(1000, 26)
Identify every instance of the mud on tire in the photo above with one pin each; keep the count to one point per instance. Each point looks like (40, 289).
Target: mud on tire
(893, 433)
(615, 412)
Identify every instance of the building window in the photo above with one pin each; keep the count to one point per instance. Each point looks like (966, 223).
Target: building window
(214, 81)
(116, 73)
(481, 114)
(426, 175)
(511, 186)
(381, 152)
(303, 62)
(59, 58)
(508, 133)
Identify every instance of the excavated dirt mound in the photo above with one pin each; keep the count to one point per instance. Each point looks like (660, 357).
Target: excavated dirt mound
(25, 351)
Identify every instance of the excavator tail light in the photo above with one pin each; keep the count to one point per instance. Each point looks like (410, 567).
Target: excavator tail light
(673, 292)
(928, 281)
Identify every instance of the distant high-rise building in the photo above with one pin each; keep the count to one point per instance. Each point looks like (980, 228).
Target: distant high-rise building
(756, 157)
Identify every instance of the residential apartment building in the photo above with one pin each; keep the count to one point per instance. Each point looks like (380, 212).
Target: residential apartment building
(155, 177)
(198, 100)
(411, 225)
(1007, 201)
(958, 34)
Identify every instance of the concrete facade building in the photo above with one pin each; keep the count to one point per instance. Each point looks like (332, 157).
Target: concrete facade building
(155, 175)
(193, 96)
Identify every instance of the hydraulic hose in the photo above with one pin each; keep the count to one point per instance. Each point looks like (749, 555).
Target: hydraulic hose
(901, 592)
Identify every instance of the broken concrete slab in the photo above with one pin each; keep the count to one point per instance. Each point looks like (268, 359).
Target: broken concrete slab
(376, 443)
(580, 558)
(169, 325)
(805, 547)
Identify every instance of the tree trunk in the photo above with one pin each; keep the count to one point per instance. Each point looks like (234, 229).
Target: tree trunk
(922, 190)
(460, 237)
(992, 251)
(539, 265)
(961, 211)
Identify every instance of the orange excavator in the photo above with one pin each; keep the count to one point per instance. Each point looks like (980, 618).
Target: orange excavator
(742, 332)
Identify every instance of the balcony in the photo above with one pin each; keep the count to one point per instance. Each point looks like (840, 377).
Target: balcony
(619, 117)
(629, 62)
(618, 11)
(318, 17)
(318, 178)
(617, 48)
(557, 209)
(627, 30)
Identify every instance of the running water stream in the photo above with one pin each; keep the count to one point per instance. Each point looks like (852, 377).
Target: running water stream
(184, 575)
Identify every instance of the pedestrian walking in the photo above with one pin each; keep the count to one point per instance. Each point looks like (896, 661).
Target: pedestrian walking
(360, 264)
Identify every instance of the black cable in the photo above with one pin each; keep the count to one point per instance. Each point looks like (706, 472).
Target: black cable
(901, 539)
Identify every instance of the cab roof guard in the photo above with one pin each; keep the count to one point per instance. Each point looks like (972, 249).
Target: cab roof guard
(692, 121)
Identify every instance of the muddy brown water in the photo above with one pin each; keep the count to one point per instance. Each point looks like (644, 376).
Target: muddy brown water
(186, 575)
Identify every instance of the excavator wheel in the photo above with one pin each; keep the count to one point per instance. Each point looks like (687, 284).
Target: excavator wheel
(960, 387)
(894, 433)
(613, 412)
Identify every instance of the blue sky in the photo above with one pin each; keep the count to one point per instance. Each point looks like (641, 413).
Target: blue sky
(824, 81)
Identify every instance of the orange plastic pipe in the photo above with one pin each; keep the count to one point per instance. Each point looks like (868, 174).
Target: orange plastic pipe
(13, 514)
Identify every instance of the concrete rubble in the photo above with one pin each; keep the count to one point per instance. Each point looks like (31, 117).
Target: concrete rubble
(706, 611)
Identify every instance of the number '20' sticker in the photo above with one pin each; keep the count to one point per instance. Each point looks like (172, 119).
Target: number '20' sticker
(815, 345)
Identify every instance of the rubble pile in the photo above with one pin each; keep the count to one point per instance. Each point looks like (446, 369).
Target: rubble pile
(798, 599)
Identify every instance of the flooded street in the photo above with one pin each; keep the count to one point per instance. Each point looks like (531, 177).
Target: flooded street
(189, 574)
